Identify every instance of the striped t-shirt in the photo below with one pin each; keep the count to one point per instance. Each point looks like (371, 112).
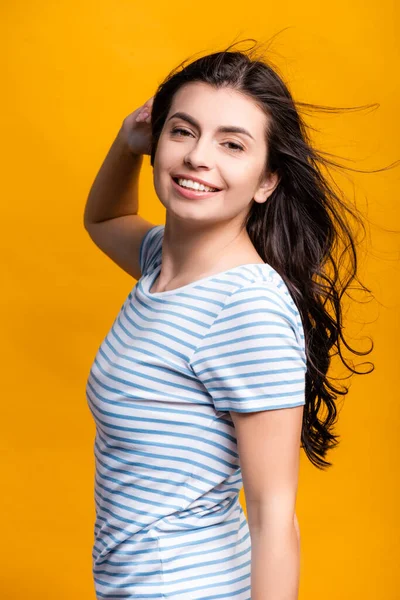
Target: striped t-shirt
(169, 523)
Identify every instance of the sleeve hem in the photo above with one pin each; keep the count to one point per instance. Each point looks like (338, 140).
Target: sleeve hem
(256, 408)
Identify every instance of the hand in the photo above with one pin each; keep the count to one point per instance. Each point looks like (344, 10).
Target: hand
(136, 129)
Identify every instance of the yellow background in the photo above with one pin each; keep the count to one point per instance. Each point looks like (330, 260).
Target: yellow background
(72, 71)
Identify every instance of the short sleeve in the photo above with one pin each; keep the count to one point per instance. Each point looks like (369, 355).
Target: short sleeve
(252, 357)
(151, 248)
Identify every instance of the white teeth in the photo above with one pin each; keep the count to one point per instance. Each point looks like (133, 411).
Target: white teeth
(195, 186)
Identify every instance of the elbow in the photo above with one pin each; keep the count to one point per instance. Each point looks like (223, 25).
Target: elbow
(274, 525)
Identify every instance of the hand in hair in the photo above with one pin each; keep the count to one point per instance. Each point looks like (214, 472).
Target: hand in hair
(136, 129)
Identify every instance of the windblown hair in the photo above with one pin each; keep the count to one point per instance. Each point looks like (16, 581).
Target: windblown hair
(304, 230)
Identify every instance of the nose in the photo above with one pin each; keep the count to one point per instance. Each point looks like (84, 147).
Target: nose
(199, 155)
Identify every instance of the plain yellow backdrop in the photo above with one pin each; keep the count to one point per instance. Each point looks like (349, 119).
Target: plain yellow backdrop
(71, 72)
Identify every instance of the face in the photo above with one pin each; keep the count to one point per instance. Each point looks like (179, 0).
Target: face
(192, 144)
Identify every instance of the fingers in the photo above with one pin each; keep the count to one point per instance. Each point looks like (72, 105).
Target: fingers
(148, 105)
(144, 114)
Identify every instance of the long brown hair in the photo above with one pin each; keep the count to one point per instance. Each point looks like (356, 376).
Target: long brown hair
(304, 230)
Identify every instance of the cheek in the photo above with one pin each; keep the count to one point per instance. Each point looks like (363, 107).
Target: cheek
(167, 160)
(163, 164)
(249, 176)
(241, 179)
(161, 155)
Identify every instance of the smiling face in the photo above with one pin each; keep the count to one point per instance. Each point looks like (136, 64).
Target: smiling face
(196, 143)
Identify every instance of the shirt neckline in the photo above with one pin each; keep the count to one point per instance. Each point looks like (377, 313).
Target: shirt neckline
(151, 278)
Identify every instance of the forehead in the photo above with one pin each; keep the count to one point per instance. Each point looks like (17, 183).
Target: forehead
(213, 107)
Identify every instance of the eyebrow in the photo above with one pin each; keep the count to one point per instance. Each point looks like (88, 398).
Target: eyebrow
(223, 129)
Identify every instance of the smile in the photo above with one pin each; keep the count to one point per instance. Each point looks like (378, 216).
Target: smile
(193, 192)
(194, 185)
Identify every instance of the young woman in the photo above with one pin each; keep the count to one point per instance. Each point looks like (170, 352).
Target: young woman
(215, 369)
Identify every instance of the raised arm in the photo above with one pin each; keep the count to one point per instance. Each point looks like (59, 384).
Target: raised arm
(110, 215)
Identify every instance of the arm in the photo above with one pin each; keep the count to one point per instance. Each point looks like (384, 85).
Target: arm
(111, 209)
(275, 563)
(268, 444)
(258, 375)
(114, 192)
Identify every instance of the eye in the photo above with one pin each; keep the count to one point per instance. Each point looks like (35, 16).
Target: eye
(237, 148)
(177, 131)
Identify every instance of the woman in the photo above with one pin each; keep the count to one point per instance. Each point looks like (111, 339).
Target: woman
(214, 370)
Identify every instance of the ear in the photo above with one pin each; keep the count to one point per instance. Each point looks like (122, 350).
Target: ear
(267, 187)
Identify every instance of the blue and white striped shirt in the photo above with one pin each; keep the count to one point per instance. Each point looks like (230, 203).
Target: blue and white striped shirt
(169, 523)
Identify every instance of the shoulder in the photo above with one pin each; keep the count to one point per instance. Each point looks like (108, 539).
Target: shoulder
(252, 357)
(260, 308)
(262, 292)
(150, 248)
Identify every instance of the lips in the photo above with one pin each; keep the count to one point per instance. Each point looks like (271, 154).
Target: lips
(190, 193)
(196, 179)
